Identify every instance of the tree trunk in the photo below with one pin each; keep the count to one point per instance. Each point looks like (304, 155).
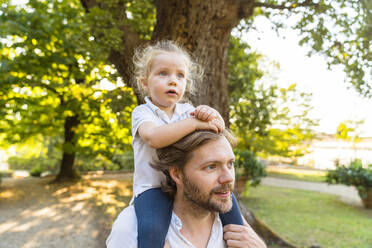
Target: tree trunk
(67, 171)
(203, 28)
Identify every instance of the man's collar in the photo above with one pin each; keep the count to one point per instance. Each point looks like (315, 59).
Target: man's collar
(177, 222)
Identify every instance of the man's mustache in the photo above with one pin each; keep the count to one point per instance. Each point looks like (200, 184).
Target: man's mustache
(222, 188)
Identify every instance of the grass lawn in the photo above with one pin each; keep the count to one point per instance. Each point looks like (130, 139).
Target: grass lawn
(306, 218)
(297, 174)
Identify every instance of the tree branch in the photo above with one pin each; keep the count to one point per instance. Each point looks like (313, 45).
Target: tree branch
(122, 59)
(246, 8)
(287, 5)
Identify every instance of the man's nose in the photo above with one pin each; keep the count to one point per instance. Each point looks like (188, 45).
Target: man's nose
(227, 175)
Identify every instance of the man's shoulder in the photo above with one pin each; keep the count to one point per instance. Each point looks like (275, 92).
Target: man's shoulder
(124, 230)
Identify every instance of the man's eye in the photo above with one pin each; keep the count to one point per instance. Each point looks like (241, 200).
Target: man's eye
(210, 167)
(162, 73)
(231, 163)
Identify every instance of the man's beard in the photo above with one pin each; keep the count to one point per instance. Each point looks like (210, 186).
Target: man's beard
(206, 201)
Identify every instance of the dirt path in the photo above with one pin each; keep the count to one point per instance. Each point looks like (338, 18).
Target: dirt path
(35, 213)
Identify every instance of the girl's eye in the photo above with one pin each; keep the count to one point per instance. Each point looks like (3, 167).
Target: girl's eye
(180, 75)
(162, 73)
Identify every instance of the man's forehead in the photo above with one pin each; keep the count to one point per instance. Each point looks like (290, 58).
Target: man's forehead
(217, 149)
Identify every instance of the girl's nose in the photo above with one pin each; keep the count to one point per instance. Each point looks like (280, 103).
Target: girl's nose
(172, 80)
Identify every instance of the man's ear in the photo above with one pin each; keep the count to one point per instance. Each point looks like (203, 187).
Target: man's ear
(175, 174)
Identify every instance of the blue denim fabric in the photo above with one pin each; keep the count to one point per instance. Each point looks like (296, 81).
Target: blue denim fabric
(233, 216)
(154, 212)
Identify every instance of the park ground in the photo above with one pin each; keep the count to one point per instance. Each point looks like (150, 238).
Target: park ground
(36, 213)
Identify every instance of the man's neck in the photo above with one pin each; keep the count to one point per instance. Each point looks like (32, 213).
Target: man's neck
(197, 222)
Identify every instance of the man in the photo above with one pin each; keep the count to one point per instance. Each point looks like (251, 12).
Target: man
(200, 176)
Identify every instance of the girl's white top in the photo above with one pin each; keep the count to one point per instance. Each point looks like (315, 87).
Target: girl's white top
(145, 177)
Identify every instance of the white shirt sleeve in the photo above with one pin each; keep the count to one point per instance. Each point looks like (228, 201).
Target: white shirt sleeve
(124, 230)
(140, 114)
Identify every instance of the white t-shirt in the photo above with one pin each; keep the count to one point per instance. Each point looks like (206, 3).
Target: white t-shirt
(124, 232)
(145, 177)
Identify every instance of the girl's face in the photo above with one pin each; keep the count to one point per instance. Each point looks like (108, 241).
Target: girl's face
(166, 81)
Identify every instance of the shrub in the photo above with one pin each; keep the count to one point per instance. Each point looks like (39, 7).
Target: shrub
(248, 167)
(354, 174)
(123, 161)
(33, 164)
(44, 163)
(36, 171)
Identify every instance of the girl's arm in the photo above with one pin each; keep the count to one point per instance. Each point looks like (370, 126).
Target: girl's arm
(165, 135)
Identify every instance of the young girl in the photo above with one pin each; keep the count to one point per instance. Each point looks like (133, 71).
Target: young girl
(163, 73)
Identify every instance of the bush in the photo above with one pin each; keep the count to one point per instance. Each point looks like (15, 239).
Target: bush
(354, 174)
(33, 164)
(123, 162)
(248, 167)
(36, 171)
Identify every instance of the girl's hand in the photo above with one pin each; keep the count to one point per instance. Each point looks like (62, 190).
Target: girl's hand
(206, 125)
(206, 113)
(238, 236)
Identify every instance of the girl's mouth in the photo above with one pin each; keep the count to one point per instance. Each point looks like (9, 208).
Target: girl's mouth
(172, 92)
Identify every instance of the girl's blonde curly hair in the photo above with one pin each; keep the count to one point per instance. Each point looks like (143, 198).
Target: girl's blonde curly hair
(143, 57)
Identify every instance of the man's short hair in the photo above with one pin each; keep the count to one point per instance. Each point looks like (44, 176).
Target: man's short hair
(179, 153)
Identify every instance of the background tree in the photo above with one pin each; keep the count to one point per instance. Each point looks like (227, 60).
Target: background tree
(349, 130)
(50, 78)
(268, 120)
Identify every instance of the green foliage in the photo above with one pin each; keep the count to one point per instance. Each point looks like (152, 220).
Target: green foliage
(250, 106)
(348, 130)
(341, 30)
(41, 163)
(268, 121)
(354, 174)
(248, 167)
(36, 171)
(123, 161)
(51, 70)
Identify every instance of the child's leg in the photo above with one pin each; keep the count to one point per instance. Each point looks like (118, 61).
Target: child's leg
(233, 216)
(154, 212)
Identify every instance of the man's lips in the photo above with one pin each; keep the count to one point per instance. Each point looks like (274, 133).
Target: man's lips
(223, 193)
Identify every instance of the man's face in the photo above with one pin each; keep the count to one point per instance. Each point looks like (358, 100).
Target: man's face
(208, 177)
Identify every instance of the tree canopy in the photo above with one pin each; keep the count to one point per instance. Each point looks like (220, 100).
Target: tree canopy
(51, 82)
